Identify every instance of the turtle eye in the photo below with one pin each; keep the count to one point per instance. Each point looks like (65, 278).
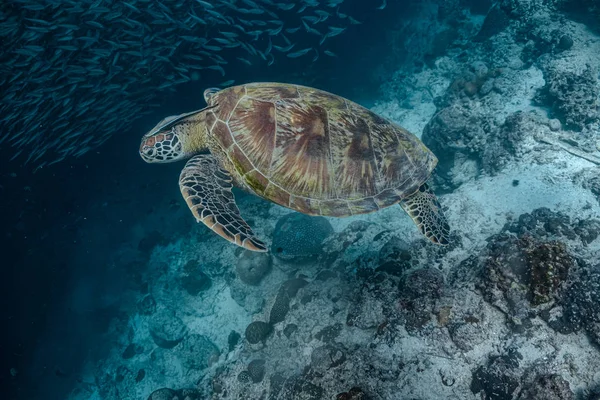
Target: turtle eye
(149, 151)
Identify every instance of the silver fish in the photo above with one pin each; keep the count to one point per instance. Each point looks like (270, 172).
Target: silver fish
(299, 53)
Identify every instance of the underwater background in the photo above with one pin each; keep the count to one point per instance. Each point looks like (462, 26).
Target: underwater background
(111, 290)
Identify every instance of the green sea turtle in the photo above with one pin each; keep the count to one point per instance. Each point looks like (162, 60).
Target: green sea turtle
(299, 147)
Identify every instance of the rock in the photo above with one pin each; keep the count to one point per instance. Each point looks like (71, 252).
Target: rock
(167, 330)
(465, 335)
(373, 303)
(289, 330)
(495, 22)
(571, 96)
(487, 87)
(257, 332)
(555, 125)
(244, 377)
(394, 257)
(197, 352)
(292, 286)
(503, 144)
(141, 374)
(194, 280)
(329, 333)
(147, 306)
(325, 275)
(581, 305)
(531, 272)
(418, 293)
(548, 387)
(591, 181)
(163, 394)
(565, 42)
(521, 273)
(456, 135)
(355, 393)
(326, 357)
(549, 264)
(280, 307)
(298, 237)
(298, 388)
(499, 379)
(545, 224)
(233, 340)
(131, 351)
(247, 296)
(276, 384)
(588, 230)
(425, 282)
(256, 370)
(253, 266)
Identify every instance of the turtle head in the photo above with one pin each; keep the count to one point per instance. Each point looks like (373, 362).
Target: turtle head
(208, 95)
(175, 138)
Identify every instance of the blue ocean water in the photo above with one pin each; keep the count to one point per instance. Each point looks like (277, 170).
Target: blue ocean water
(111, 290)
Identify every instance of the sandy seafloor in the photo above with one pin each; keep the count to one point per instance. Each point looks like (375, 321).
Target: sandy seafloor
(434, 326)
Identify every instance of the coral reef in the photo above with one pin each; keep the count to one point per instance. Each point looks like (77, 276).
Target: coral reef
(251, 267)
(572, 96)
(167, 330)
(257, 332)
(300, 237)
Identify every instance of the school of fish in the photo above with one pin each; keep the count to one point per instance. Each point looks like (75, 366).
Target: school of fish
(75, 72)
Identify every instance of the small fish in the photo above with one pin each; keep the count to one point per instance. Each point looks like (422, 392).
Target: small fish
(205, 4)
(130, 6)
(329, 53)
(269, 47)
(256, 11)
(226, 83)
(217, 68)
(284, 49)
(250, 3)
(198, 19)
(38, 21)
(292, 30)
(299, 53)
(311, 19)
(276, 31)
(222, 41)
(285, 7)
(381, 7)
(230, 35)
(95, 24)
(244, 61)
(212, 48)
(334, 31)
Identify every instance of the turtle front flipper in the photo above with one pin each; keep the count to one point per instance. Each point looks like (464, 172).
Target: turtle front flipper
(206, 189)
(425, 210)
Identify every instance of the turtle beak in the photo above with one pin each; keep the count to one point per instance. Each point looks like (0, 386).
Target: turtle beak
(147, 150)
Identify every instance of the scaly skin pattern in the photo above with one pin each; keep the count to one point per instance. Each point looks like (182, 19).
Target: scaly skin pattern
(312, 151)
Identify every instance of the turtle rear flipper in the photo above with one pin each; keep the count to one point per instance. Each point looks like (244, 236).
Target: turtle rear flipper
(206, 189)
(425, 210)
